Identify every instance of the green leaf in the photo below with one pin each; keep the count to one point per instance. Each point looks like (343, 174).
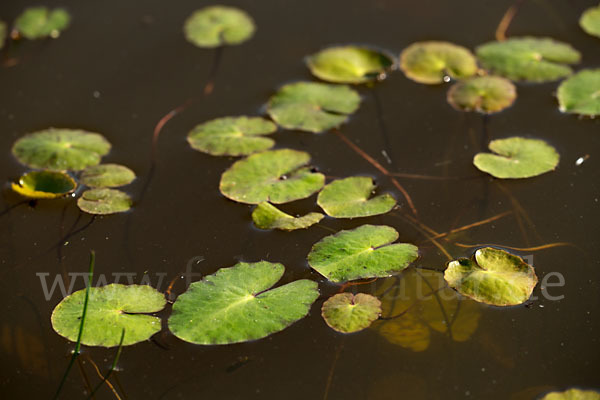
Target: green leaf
(107, 175)
(590, 21)
(216, 26)
(432, 62)
(104, 201)
(277, 176)
(528, 58)
(493, 277)
(312, 107)
(349, 198)
(517, 157)
(60, 149)
(44, 185)
(347, 313)
(232, 136)
(349, 64)
(41, 22)
(580, 94)
(110, 309)
(238, 304)
(267, 216)
(364, 252)
(484, 94)
(573, 394)
(3, 31)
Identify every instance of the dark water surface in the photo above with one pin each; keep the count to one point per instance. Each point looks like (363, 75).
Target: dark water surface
(122, 65)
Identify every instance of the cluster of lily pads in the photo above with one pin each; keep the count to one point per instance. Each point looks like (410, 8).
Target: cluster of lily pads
(37, 23)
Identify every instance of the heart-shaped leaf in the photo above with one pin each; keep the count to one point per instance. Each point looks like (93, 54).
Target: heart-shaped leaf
(215, 26)
(347, 313)
(104, 201)
(267, 216)
(45, 184)
(484, 94)
(107, 175)
(580, 94)
(41, 22)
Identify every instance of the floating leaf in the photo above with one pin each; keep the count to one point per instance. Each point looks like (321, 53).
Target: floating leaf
(107, 175)
(417, 304)
(347, 313)
(60, 149)
(484, 94)
(2, 33)
(528, 58)
(349, 198)
(580, 94)
(277, 176)
(590, 21)
(218, 25)
(517, 157)
(364, 252)
(237, 304)
(267, 216)
(110, 309)
(232, 136)
(493, 277)
(41, 22)
(349, 64)
(573, 394)
(431, 62)
(104, 201)
(312, 107)
(44, 184)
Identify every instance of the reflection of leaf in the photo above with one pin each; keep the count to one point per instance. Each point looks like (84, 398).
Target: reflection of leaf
(2, 33)
(27, 347)
(418, 302)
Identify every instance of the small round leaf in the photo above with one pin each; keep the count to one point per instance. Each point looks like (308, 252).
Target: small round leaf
(580, 94)
(218, 25)
(267, 216)
(590, 21)
(41, 22)
(484, 94)
(45, 184)
(107, 175)
(103, 201)
(573, 394)
(347, 313)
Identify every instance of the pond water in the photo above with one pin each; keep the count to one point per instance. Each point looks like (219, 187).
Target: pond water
(121, 66)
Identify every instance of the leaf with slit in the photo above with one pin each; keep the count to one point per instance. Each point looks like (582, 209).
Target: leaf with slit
(238, 304)
(232, 136)
(60, 149)
(590, 21)
(417, 304)
(573, 394)
(267, 216)
(364, 252)
(580, 94)
(492, 276)
(277, 176)
(45, 184)
(3, 31)
(347, 313)
(107, 175)
(349, 198)
(350, 64)
(216, 26)
(528, 58)
(41, 22)
(312, 107)
(431, 62)
(110, 309)
(517, 157)
(103, 201)
(484, 94)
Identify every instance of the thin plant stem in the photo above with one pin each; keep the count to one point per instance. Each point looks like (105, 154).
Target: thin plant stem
(506, 20)
(112, 368)
(473, 225)
(336, 356)
(388, 153)
(534, 248)
(111, 387)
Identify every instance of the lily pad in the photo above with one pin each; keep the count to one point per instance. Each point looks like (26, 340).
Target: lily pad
(493, 277)
(232, 136)
(238, 304)
(107, 175)
(110, 309)
(580, 94)
(267, 216)
(60, 149)
(278, 176)
(41, 22)
(312, 107)
(433, 62)
(364, 252)
(349, 64)
(517, 157)
(3, 31)
(573, 394)
(590, 21)
(103, 201)
(44, 185)
(528, 58)
(216, 26)
(347, 313)
(484, 94)
(349, 198)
